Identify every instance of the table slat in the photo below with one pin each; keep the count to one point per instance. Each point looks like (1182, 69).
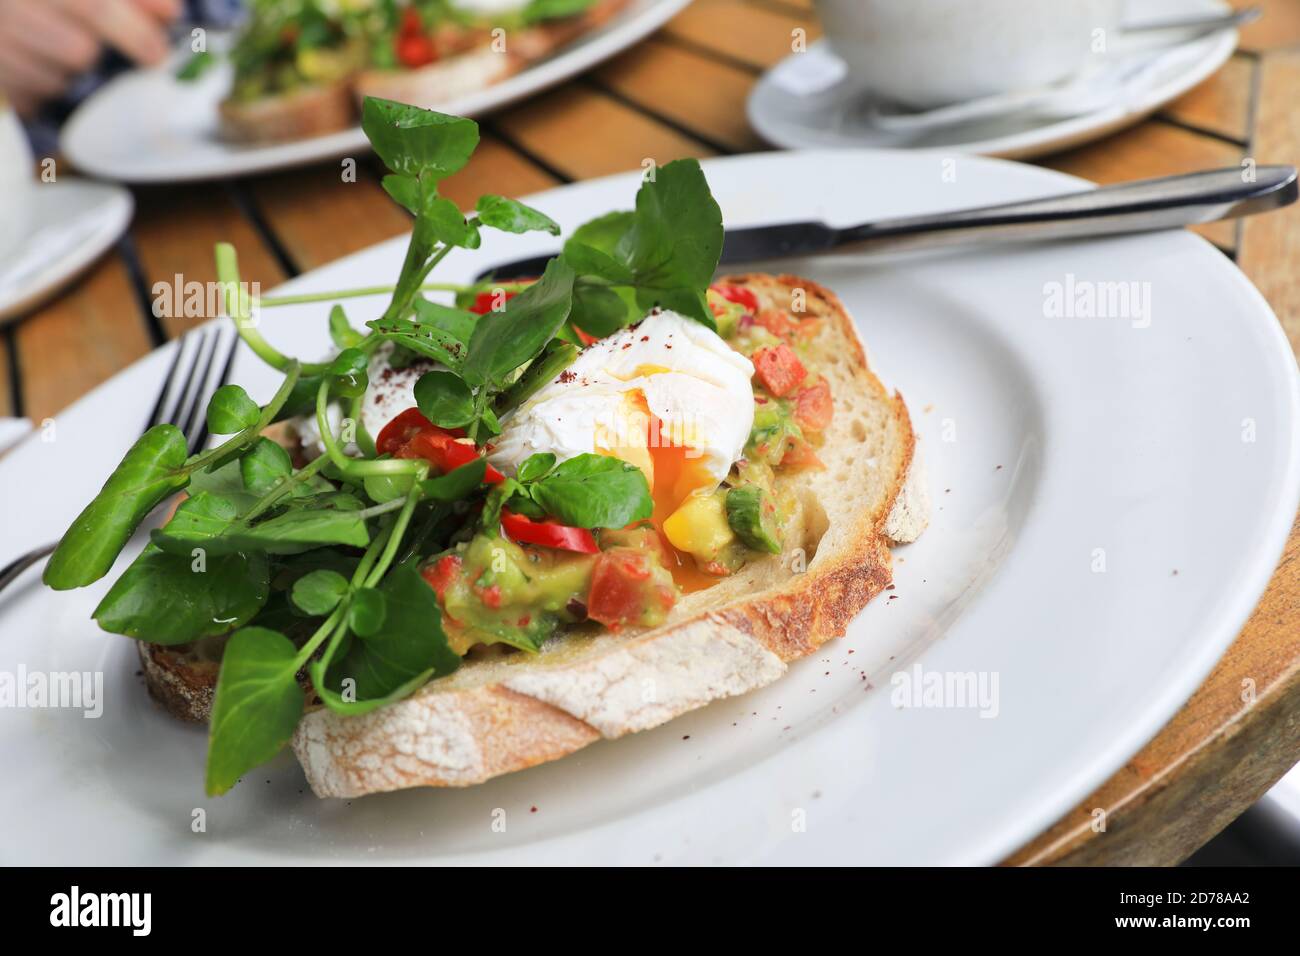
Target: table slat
(759, 36)
(1153, 149)
(496, 168)
(584, 133)
(1221, 104)
(175, 231)
(86, 336)
(6, 383)
(1270, 245)
(1279, 26)
(318, 217)
(669, 80)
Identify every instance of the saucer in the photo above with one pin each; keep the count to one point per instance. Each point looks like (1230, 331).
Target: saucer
(807, 100)
(75, 220)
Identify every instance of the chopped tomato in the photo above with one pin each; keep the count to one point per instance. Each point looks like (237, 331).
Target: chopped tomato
(738, 294)
(777, 322)
(548, 534)
(778, 369)
(490, 596)
(813, 407)
(442, 449)
(485, 301)
(583, 337)
(442, 573)
(620, 587)
(800, 455)
(414, 48)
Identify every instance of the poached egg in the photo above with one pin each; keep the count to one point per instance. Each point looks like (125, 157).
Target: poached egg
(667, 395)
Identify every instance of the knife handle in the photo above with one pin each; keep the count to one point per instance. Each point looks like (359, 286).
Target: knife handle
(1140, 206)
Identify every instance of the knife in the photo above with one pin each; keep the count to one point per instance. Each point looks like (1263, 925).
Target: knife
(1139, 206)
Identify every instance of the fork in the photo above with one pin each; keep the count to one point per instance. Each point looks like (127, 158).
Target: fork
(182, 402)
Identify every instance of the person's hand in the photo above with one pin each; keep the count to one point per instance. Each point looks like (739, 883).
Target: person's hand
(45, 44)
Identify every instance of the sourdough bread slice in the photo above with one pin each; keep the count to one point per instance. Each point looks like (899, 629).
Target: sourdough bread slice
(507, 712)
(483, 64)
(302, 114)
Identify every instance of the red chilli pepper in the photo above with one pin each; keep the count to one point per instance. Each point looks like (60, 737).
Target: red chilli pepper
(411, 435)
(484, 302)
(548, 534)
(737, 294)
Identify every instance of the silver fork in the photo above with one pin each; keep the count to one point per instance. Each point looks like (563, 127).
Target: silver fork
(182, 401)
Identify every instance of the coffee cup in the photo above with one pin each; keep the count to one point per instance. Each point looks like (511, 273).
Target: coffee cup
(17, 182)
(924, 54)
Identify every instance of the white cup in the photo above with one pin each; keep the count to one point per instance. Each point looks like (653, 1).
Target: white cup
(17, 182)
(929, 53)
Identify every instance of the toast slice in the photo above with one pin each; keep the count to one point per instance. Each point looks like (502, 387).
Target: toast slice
(505, 712)
(483, 63)
(302, 114)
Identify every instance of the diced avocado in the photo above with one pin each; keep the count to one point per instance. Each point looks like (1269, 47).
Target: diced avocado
(774, 427)
(752, 514)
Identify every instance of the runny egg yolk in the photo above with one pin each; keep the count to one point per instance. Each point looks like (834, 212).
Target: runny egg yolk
(673, 469)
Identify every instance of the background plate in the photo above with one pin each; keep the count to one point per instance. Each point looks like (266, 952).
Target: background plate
(1110, 498)
(148, 127)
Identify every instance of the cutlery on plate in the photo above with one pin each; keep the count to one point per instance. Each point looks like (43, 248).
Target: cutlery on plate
(1141, 206)
(182, 401)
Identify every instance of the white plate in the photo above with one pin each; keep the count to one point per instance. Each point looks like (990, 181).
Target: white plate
(148, 127)
(74, 222)
(839, 116)
(1046, 438)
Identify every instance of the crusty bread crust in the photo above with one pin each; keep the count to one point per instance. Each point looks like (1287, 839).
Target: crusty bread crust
(504, 714)
(484, 64)
(302, 114)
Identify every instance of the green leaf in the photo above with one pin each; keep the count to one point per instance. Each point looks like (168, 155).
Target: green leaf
(443, 219)
(404, 190)
(264, 465)
(457, 484)
(163, 598)
(539, 10)
(590, 261)
(535, 466)
(444, 399)
(318, 592)
(510, 215)
(196, 66)
(418, 142)
(607, 233)
(150, 472)
(594, 491)
(382, 489)
(445, 318)
(342, 334)
(231, 410)
(396, 660)
(503, 341)
(257, 705)
(676, 235)
(199, 518)
(296, 531)
(426, 340)
(598, 310)
(367, 612)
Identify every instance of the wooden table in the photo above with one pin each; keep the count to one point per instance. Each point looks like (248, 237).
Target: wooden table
(682, 93)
